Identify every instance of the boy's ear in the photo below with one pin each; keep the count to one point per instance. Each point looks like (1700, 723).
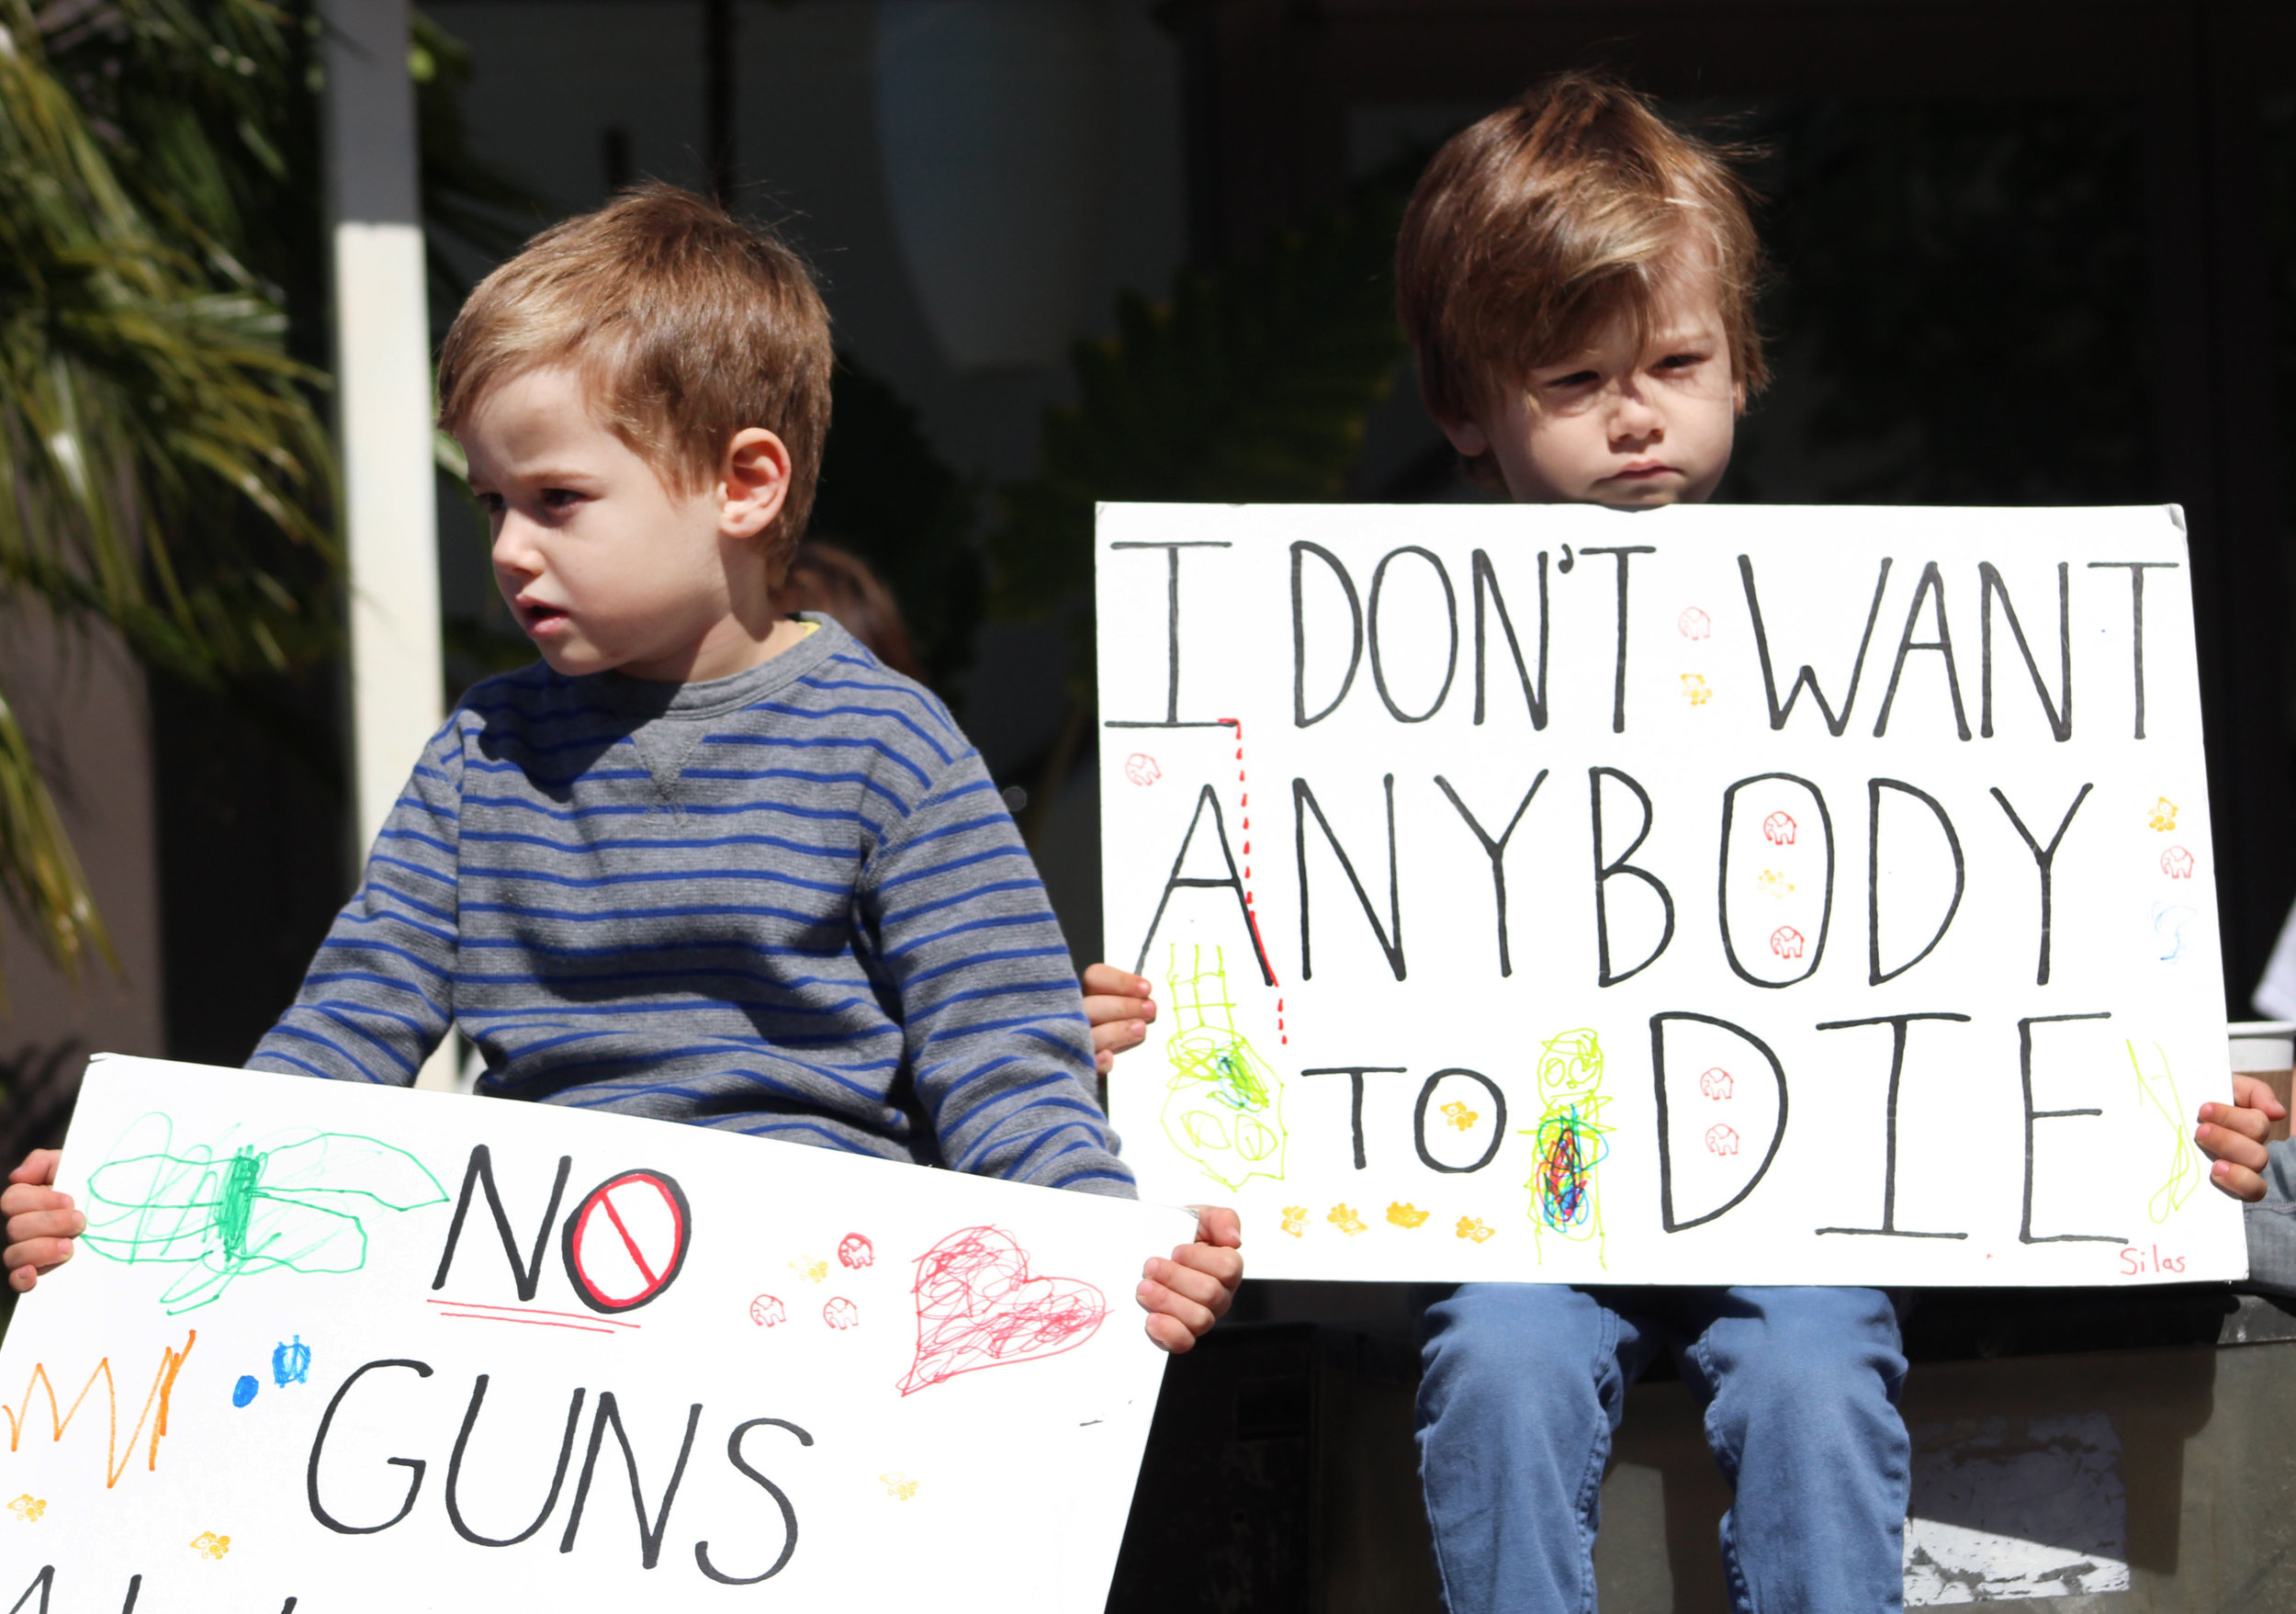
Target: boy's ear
(1468, 436)
(753, 482)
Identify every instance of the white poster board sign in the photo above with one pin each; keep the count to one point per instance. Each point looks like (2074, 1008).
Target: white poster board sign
(345, 1349)
(1755, 895)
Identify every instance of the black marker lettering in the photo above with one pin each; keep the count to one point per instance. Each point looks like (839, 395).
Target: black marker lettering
(1419, 1121)
(1604, 873)
(2060, 710)
(42, 1582)
(1391, 937)
(1623, 554)
(1496, 851)
(780, 1500)
(2045, 859)
(1534, 693)
(1932, 588)
(2136, 568)
(1875, 973)
(462, 1444)
(1666, 1150)
(1722, 885)
(1896, 1024)
(319, 1444)
(1355, 1074)
(1807, 677)
(1300, 719)
(2025, 1234)
(480, 1173)
(1206, 801)
(649, 1534)
(1450, 616)
(1172, 632)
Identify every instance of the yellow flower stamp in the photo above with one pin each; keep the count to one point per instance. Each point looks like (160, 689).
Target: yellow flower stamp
(811, 1271)
(899, 1485)
(1459, 1116)
(1475, 1228)
(27, 1507)
(1343, 1218)
(211, 1545)
(1296, 1221)
(1403, 1213)
(1774, 884)
(1697, 689)
(2164, 816)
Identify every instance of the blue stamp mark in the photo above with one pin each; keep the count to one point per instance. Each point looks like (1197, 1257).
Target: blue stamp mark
(244, 1391)
(2168, 921)
(291, 1364)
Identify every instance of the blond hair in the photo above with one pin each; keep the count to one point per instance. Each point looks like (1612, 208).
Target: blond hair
(1535, 227)
(686, 327)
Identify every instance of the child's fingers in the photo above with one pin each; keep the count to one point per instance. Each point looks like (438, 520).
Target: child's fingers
(59, 1223)
(1206, 1289)
(2251, 1093)
(1162, 1300)
(2248, 1122)
(39, 1168)
(2220, 1142)
(1113, 1035)
(2237, 1180)
(1170, 1335)
(1223, 1264)
(36, 1254)
(1107, 980)
(1218, 1225)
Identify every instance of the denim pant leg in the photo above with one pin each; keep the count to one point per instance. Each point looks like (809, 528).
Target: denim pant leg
(1524, 1386)
(1802, 1414)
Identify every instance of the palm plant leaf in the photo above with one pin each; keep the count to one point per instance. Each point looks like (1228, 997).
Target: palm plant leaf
(160, 457)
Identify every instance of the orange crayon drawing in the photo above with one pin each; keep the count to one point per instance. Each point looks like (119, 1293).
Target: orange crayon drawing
(27, 1507)
(1405, 1214)
(211, 1545)
(1296, 1221)
(1343, 1218)
(155, 1409)
(1459, 1116)
(1475, 1228)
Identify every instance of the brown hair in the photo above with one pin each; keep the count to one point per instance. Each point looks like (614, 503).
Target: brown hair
(1535, 227)
(686, 327)
(839, 584)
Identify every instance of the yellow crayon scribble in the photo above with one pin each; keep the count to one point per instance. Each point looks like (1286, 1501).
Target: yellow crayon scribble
(1343, 1218)
(1403, 1213)
(899, 1485)
(1774, 884)
(162, 1390)
(2185, 1171)
(1460, 1116)
(1296, 1221)
(27, 1507)
(2164, 815)
(1696, 689)
(1475, 1228)
(811, 1271)
(213, 1545)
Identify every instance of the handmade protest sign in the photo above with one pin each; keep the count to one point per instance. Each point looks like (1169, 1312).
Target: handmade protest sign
(341, 1348)
(1707, 895)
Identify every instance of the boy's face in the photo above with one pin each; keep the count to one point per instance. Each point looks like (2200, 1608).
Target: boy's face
(1622, 421)
(606, 567)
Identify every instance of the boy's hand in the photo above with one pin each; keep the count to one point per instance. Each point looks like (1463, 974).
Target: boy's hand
(41, 1223)
(1119, 1008)
(2232, 1136)
(1185, 1295)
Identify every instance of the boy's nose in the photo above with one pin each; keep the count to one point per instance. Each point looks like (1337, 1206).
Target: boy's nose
(514, 552)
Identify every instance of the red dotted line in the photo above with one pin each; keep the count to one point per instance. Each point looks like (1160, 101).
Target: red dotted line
(1244, 808)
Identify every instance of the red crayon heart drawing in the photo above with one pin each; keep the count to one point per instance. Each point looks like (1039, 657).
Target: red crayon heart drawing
(977, 1307)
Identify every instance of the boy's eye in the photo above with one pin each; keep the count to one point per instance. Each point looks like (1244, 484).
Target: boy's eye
(560, 497)
(1682, 361)
(1575, 379)
(490, 502)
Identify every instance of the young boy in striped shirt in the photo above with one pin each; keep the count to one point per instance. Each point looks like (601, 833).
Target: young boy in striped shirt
(705, 863)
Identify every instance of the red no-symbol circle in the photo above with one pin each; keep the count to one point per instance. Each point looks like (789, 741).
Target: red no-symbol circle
(626, 1239)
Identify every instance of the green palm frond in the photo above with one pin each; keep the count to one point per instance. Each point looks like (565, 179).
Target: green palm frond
(161, 461)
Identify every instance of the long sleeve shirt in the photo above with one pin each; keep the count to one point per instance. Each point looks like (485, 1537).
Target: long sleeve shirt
(788, 903)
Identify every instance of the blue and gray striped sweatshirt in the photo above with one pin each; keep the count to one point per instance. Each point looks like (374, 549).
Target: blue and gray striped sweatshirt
(788, 903)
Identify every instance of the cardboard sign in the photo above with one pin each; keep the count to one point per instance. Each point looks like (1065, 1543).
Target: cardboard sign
(1704, 896)
(349, 1348)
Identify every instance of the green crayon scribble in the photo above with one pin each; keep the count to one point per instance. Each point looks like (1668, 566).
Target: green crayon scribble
(1225, 1107)
(294, 1202)
(2159, 1089)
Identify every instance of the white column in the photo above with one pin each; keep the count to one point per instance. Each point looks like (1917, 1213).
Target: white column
(383, 406)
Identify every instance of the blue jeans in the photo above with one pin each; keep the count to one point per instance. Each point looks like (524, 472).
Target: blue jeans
(1525, 1383)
